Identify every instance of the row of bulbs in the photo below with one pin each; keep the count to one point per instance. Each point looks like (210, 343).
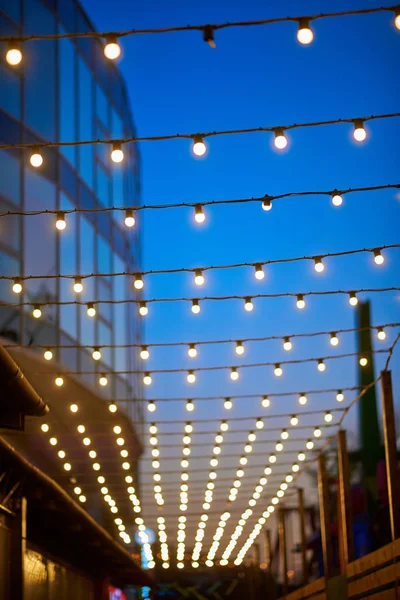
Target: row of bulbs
(162, 536)
(199, 279)
(158, 497)
(112, 48)
(183, 496)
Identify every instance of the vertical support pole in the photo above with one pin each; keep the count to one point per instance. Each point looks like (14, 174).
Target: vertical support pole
(324, 516)
(389, 435)
(282, 548)
(18, 548)
(346, 545)
(303, 543)
(268, 556)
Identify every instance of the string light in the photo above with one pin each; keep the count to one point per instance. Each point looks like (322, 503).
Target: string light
(78, 286)
(234, 375)
(228, 404)
(284, 434)
(37, 313)
(363, 361)
(73, 408)
(302, 399)
(353, 300)
(318, 265)
(279, 446)
(359, 132)
(340, 396)
(294, 420)
(199, 215)
(112, 407)
(14, 54)
(278, 371)
(199, 147)
(334, 340)
(151, 406)
(397, 18)
(48, 355)
(17, 286)
(192, 351)
(280, 140)
(337, 199)
(129, 217)
(36, 159)
(287, 344)
(259, 423)
(379, 259)
(103, 381)
(143, 310)
(258, 272)
(321, 365)
(144, 353)
(96, 354)
(381, 334)
(198, 277)
(53, 441)
(138, 282)
(248, 304)
(317, 432)
(60, 221)
(44, 427)
(117, 154)
(300, 303)
(147, 379)
(191, 377)
(309, 444)
(266, 204)
(112, 50)
(305, 34)
(190, 406)
(59, 381)
(265, 402)
(90, 311)
(328, 417)
(195, 307)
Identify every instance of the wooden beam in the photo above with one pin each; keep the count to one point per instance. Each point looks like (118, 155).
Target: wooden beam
(283, 549)
(389, 438)
(324, 516)
(346, 545)
(303, 542)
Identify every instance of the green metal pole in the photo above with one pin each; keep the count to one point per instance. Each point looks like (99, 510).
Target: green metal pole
(369, 432)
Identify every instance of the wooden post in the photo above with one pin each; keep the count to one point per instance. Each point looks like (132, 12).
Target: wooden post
(282, 548)
(303, 542)
(257, 555)
(18, 548)
(324, 516)
(346, 545)
(268, 556)
(389, 438)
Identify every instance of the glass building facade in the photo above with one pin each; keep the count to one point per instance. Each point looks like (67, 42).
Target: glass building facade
(66, 90)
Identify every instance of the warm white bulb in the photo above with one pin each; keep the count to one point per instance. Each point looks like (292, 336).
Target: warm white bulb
(129, 217)
(302, 399)
(317, 432)
(337, 199)
(259, 424)
(287, 344)
(309, 445)
(60, 221)
(379, 259)
(334, 340)
(234, 375)
(224, 426)
(353, 300)
(112, 49)
(258, 272)
(294, 421)
(340, 396)
(67, 466)
(278, 371)
(37, 313)
(192, 351)
(272, 458)
(45, 428)
(359, 132)
(59, 381)
(117, 154)
(199, 215)
(198, 277)
(103, 381)
(17, 286)
(191, 377)
(228, 404)
(284, 434)
(144, 353)
(78, 287)
(147, 379)
(248, 304)
(199, 148)
(280, 140)
(48, 355)
(151, 407)
(90, 311)
(53, 441)
(319, 265)
(14, 54)
(381, 334)
(36, 159)
(96, 354)
(189, 406)
(195, 307)
(143, 310)
(73, 408)
(300, 303)
(363, 361)
(138, 282)
(328, 417)
(301, 456)
(321, 366)
(266, 205)
(305, 35)
(397, 19)
(112, 407)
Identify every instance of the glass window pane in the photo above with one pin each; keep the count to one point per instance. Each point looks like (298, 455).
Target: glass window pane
(85, 117)
(68, 266)
(67, 95)
(10, 170)
(10, 98)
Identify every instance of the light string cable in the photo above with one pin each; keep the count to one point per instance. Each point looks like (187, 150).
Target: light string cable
(266, 203)
(199, 147)
(258, 527)
(381, 334)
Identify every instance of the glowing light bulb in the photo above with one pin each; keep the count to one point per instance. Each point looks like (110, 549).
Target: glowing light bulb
(195, 307)
(317, 432)
(318, 265)
(117, 154)
(138, 282)
(117, 429)
(228, 404)
(199, 215)
(190, 406)
(300, 302)
(294, 420)
(112, 407)
(47, 355)
(265, 402)
(284, 434)
(280, 140)
(224, 426)
(17, 286)
(129, 217)
(259, 423)
(305, 34)
(144, 353)
(289, 478)
(60, 221)
(44, 427)
(78, 287)
(234, 375)
(243, 460)
(363, 361)
(59, 381)
(14, 54)
(272, 458)
(143, 310)
(103, 381)
(381, 334)
(328, 417)
(96, 354)
(86, 441)
(151, 407)
(321, 365)
(199, 277)
(248, 304)
(36, 159)
(53, 441)
(279, 446)
(379, 259)
(90, 310)
(73, 408)
(192, 351)
(191, 377)
(112, 49)
(397, 18)
(252, 436)
(67, 466)
(147, 379)
(334, 340)
(37, 313)
(266, 204)
(339, 396)
(353, 300)
(359, 132)
(337, 199)
(278, 371)
(295, 468)
(258, 272)
(302, 399)
(287, 344)
(199, 147)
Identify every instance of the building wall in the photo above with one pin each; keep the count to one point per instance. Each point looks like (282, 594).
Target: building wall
(67, 90)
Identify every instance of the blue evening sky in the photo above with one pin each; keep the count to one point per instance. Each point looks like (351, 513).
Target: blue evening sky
(259, 76)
